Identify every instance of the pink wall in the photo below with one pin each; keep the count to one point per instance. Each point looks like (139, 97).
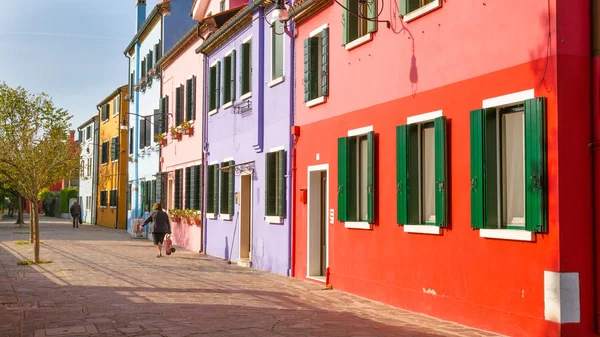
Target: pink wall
(458, 41)
(187, 151)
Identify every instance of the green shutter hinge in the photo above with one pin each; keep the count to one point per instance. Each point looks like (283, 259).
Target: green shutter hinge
(399, 188)
(474, 184)
(340, 189)
(536, 182)
(440, 184)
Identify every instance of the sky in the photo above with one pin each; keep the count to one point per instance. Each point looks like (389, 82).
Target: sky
(70, 49)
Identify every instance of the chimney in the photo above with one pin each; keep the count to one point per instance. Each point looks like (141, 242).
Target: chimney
(141, 13)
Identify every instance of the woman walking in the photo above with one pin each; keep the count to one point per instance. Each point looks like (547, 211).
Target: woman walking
(159, 227)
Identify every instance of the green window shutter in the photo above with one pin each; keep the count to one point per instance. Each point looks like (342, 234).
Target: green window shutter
(535, 165)
(161, 115)
(211, 88)
(402, 198)
(166, 115)
(477, 168)
(188, 187)
(233, 82)
(231, 187)
(345, 29)
(158, 190)
(200, 184)
(281, 183)
(314, 67)
(371, 193)
(325, 62)
(441, 184)
(342, 179)
(188, 100)
(193, 99)
(153, 193)
(178, 106)
(307, 67)
(193, 191)
(484, 169)
(215, 196)
(403, 4)
(219, 87)
(372, 14)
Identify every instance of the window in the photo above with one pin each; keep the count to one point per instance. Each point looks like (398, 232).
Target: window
(105, 146)
(229, 78)
(80, 135)
(356, 189)
(131, 139)
(178, 105)
(163, 112)
(89, 167)
(190, 99)
(103, 198)
(508, 167)
(117, 105)
(113, 198)
(316, 65)
(150, 60)
(411, 9)
(178, 189)
(82, 169)
(213, 86)
(193, 195)
(144, 70)
(88, 132)
(114, 150)
(145, 131)
(275, 184)
(421, 173)
(355, 27)
(277, 50)
(129, 196)
(222, 6)
(148, 197)
(105, 112)
(88, 202)
(212, 188)
(227, 187)
(246, 65)
(131, 86)
(157, 51)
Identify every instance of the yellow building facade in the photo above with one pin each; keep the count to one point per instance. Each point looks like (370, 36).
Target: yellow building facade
(113, 145)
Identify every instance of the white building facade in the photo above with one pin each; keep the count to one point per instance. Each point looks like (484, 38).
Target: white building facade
(88, 173)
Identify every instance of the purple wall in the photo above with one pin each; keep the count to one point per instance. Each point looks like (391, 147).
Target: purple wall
(246, 136)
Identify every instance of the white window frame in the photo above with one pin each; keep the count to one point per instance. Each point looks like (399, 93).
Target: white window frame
(417, 13)
(116, 105)
(359, 224)
(109, 198)
(321, 99)
(420, 119)
(280, 79)
(504, 233)
(249, 93)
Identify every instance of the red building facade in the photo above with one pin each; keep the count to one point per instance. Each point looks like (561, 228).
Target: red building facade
(443, 163)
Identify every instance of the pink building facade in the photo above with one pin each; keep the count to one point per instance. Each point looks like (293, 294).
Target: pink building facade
(181, 149)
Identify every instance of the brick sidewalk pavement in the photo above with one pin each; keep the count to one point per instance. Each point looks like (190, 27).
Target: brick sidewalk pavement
(102, 283)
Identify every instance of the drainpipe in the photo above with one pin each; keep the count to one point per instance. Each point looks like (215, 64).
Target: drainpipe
(118, 165)
(293, 140)
(596, 152)
(204, 151)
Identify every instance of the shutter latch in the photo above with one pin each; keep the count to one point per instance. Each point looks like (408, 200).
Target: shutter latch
(474, 183)
(536, 182)
(441, 185)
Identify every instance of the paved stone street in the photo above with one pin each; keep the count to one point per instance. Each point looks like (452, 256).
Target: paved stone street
(102, 283)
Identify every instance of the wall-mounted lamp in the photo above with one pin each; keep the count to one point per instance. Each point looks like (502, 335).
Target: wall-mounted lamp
(280, 13)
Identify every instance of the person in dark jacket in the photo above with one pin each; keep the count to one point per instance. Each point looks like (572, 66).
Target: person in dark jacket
(75, 211)
(159, 227)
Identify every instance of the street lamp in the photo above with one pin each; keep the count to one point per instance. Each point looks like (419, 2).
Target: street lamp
(280, 13)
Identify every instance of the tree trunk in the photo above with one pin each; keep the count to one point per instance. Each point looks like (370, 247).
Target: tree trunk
(20, 212)
(31, 224)
(36, 227)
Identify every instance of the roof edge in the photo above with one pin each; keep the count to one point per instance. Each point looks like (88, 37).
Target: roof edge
(112, 94)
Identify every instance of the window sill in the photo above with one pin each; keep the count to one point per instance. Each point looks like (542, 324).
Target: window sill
(114, 161)
(212, 112)
(274, 219)
(507, 234)
(211, 216)
(113, 207)
(225, 217)
(317, 278)
(357, 224)
(417, 13)
(246, 96)
(103, 164)
(316, 101)
(227, 105)
(276, 81)
(360, 41)
(423, 229)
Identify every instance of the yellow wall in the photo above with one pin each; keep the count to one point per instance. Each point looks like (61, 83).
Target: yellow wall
(113, 175)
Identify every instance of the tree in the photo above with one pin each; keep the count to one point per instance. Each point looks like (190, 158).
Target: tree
(35, 149)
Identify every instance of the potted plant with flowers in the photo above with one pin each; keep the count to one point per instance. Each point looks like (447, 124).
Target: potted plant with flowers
(187, 127)
(175, 133)
(161, 138)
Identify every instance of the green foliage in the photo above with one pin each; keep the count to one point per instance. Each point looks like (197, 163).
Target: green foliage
(65, 195)
(29, 262)
(49, 200)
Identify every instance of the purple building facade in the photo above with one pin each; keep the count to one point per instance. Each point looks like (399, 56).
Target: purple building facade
(248, 112)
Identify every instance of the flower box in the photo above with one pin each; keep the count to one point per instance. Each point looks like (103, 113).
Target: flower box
(189, 131)
(197, 222)
(176, 136)
(162, 142)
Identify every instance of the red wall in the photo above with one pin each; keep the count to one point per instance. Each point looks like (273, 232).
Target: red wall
(465, 53)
